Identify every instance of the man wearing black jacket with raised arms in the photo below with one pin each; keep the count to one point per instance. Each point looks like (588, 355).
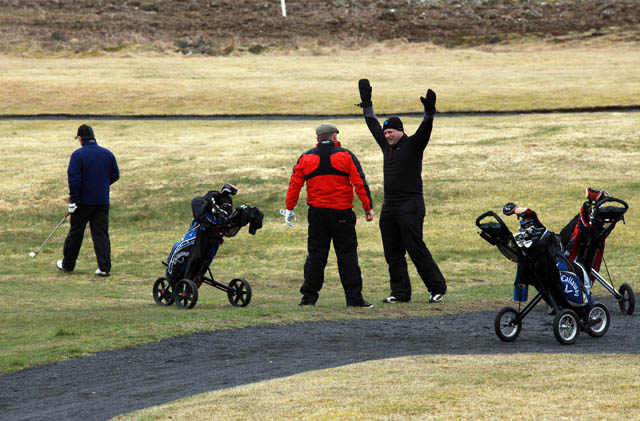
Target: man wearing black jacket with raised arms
(403, 210)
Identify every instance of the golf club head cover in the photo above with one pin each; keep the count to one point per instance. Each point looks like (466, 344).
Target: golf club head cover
(509, 208)
(365, 93)
(429, 102)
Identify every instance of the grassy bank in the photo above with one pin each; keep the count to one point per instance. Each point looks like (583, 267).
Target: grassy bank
(471, 165)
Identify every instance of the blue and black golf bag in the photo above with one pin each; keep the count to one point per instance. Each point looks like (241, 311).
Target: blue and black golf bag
(213, 218)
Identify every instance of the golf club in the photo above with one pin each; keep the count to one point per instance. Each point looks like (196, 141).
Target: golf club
(34, 254)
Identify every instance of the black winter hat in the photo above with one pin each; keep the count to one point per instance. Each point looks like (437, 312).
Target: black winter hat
(393, 123)
(85, 132)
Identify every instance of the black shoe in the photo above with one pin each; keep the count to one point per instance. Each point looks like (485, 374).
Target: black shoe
(391, 299)
(436, 298)
(362, 304)
(306, 301)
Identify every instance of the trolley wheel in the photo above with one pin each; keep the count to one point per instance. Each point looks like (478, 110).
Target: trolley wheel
(628, 301)
(162, 292)
(566, 327)
(239, 292)
(598, 320)
(503, 324)
(185, 294)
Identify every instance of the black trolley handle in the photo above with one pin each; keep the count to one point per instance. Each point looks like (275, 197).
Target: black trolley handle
(600, 203)
(494, 215)
(599, 206)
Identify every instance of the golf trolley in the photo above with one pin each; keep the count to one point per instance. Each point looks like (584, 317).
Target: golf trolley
(190, 258)
(584, 239)
(562, 284)
(185, 292)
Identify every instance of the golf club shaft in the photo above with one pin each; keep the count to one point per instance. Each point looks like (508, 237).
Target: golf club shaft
(52, 232)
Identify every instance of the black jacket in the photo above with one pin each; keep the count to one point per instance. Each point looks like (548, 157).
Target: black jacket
(403, 161)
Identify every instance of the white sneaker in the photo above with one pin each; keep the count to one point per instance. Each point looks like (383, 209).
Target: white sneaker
(101, 273)
(391, 299)
(60, 267)
(436, 298)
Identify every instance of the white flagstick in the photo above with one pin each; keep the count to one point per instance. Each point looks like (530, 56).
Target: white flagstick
(284, 8)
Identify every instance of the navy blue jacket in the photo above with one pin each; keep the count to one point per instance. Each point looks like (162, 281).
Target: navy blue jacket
(92, 169)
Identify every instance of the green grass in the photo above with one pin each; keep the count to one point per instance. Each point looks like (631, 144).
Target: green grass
(49, 316)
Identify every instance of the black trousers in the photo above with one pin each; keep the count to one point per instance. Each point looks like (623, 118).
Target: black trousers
(98, 218)
(326, 225)
(401, 228)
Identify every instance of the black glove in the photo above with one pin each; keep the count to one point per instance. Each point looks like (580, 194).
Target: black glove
(429, 102)
(365, 93)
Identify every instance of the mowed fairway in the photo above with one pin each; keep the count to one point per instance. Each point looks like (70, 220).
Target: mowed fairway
(471, 165)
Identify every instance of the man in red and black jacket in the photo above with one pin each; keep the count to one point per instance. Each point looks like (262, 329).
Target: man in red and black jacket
(331, 173)
(403, 211)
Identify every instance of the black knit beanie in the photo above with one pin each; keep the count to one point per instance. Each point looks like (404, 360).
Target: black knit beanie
(393, 123)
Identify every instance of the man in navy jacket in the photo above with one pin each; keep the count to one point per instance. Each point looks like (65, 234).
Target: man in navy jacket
(92, 169)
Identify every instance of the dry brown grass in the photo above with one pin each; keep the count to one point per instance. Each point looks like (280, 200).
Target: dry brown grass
(516, 76)
(443, 387)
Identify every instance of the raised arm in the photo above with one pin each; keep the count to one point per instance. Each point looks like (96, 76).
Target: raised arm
(423, 134)
(369, 116)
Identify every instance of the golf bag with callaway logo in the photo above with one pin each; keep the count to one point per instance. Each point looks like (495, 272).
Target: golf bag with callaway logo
(564, 285)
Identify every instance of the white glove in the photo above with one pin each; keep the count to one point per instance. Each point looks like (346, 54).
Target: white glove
(72, 207)
(289, 216)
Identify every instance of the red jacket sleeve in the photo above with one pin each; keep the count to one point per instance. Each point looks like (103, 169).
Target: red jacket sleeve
(295, 185)
(357, 179)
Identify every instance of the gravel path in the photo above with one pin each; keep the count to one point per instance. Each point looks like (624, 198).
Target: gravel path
(107, 384)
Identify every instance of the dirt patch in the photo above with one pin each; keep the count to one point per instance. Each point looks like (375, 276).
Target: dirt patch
(107, 384)
(217, 27)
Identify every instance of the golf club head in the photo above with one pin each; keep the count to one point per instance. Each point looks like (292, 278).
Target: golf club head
(229, 189)
(509, 208)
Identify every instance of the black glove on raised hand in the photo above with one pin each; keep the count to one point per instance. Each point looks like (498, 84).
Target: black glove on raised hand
(429, 102)
(365, 93)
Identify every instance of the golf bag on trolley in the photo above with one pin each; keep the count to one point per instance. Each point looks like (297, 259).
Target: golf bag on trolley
(190, 258)
(564, 285)
(584, 240)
